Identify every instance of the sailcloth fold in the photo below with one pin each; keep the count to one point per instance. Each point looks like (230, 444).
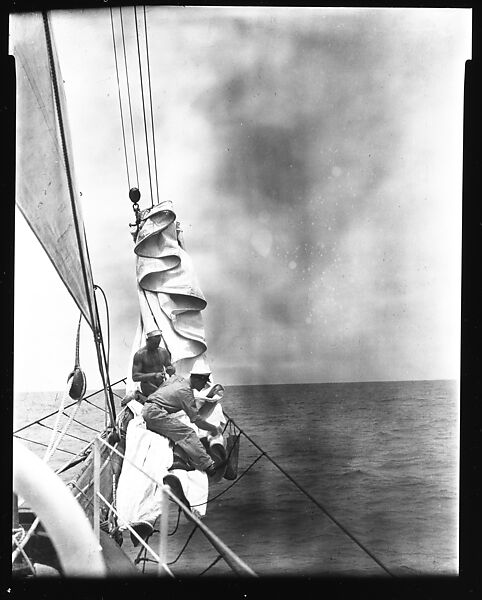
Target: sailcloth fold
(170, 298)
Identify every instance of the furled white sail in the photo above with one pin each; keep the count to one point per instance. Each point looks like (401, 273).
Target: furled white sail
(45, 183)
(169, 294)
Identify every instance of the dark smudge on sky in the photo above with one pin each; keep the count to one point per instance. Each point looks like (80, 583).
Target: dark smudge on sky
(302, 232)
(310, 157)
(302, 150)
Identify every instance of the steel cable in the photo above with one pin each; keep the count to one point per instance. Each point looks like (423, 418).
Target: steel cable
(120, 100)
(129, 93)
(315, 501)
(143, 105)
(150, 102)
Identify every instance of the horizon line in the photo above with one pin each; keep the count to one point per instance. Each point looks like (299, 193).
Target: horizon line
(91, 391)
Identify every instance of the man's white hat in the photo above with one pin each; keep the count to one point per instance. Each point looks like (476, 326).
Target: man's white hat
(200, 370)
(154, 333)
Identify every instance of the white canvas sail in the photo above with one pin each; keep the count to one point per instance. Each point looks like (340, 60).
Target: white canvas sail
(170, 298)
(45, 183)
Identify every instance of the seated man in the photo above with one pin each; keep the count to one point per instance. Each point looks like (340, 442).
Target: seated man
(151, 363)
(171, 396)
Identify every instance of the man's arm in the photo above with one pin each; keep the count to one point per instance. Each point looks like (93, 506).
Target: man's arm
(188, 404)
(166, 360)
(202, 424)
(139, 375)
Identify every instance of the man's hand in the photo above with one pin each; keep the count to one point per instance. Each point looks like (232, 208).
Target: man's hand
(159, 378)
(215, 431)
(170, 370)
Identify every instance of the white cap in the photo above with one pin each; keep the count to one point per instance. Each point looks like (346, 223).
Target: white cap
(154, 333)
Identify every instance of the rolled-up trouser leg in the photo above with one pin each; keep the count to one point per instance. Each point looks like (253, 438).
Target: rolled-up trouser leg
(160, 421)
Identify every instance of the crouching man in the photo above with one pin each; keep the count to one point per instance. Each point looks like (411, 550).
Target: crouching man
(171, 396)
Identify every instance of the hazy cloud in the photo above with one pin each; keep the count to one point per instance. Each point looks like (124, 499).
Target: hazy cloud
(314, 159)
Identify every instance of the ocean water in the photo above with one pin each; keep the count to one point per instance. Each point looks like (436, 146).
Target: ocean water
(380, 458)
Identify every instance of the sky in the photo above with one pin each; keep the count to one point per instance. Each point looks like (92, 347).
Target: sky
(314, 159)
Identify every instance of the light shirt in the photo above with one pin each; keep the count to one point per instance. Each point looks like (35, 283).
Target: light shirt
(176, 394)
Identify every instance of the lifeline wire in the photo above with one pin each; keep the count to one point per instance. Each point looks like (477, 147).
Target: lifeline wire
(84, 425)
(232, 484)
(41, 444)
(66, 433)
(68, 406)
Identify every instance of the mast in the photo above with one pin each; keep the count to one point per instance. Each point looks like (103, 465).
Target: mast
(79, 231)
(45, 183)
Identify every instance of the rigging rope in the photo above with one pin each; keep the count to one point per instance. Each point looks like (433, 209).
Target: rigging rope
(143, 105)
(67, 434)
(139, 558)
(177, 522)
(148, 82)
(65, 155)
(87, 276)
(156, 323)
(185, 546)
(314, 500)
(60, 411)
(262, 453)
(20, 543)
(25, 538)
(129, 93)
(132, 531)
(120, 100)
(96, 406)
(232, 484)
(41, 444)
(104, 370)
(85, 424)
(150, 101)
(97, 287)
(123, 380)
(51, 451)
(216, 560)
